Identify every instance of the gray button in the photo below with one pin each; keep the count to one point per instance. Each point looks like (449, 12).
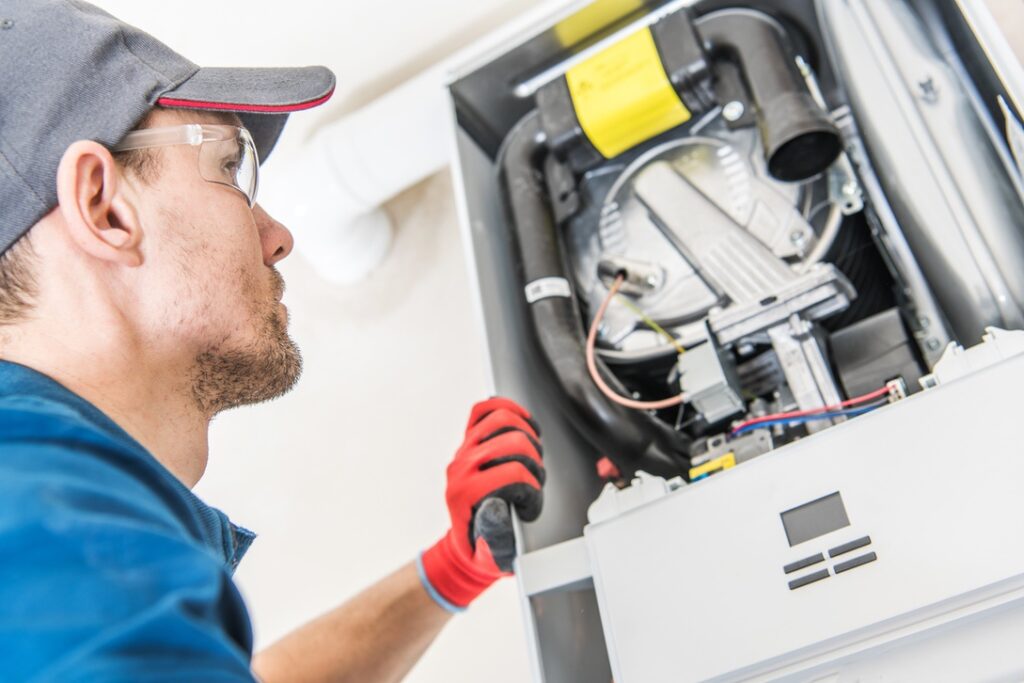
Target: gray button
(847, 547)
(806, 562)
(855, 562)
(810, 578)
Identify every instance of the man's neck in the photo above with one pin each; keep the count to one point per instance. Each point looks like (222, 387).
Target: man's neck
(151, 401)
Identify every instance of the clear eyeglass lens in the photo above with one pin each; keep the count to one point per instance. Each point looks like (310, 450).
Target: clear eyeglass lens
(232, 162)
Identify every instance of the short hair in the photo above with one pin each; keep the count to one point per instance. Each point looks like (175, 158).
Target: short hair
(18, 284)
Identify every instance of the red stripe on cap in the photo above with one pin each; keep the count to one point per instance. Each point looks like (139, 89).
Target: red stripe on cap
(253, 108)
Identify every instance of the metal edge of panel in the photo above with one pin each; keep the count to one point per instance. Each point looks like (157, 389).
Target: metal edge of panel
(997, 49)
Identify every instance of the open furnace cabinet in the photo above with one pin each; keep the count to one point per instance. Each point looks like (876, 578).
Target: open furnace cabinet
(759, 268)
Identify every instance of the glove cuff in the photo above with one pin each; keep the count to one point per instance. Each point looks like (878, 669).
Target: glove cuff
(450, 581)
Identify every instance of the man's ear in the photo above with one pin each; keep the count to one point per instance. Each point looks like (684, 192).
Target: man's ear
(92, 202)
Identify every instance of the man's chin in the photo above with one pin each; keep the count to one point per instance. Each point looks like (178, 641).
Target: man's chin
(230, 378)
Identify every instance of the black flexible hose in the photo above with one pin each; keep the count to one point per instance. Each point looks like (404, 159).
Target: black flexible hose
(631, 439)
(799, 139)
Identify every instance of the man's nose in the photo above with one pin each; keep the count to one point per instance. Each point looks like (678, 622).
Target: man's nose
(276, 239)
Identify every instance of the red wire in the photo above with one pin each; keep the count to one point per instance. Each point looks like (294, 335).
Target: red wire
(596, 376)
(813, 411)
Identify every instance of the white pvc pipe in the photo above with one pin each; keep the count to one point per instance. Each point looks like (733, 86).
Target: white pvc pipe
(330, 192)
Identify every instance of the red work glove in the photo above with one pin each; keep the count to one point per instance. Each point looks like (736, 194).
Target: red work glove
(499, 464)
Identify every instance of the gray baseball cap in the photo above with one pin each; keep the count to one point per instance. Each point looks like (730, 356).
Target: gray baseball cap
(69, 71)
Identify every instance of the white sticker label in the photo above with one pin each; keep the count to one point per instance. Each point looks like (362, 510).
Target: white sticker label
(547, 287)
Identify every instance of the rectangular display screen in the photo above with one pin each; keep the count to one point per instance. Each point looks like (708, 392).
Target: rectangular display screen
(814, 519)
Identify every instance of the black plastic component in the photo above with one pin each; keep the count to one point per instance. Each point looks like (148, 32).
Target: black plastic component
(801, 564)
(854, 563)
(810, 578)
(563, 130)
(847, 547)
(799, 139)
(874, 351)
(729, 88)
(686, 64)
(632, 439)
(565, 199)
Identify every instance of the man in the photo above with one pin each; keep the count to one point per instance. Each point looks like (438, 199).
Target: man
(138, 299)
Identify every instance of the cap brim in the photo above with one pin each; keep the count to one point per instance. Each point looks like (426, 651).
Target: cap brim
(262, 98)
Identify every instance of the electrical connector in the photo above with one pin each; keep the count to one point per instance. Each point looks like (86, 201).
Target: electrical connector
(722, 462)
(897, 389)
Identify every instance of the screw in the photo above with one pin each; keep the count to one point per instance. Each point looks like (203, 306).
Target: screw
(6, 23)
(924, 323)
(849, 188)
(933, 344)
(733, 111)
(928, 90)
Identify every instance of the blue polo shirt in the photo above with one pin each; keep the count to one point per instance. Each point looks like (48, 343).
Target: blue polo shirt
(110, 568)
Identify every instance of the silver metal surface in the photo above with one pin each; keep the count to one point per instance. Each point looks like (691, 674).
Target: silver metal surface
(960, 213)
(807, 371)
(931, 331)
(727, 257)
(727, 168)
(818, 293)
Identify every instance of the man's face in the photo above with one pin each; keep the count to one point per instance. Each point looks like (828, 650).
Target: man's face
(211, 288)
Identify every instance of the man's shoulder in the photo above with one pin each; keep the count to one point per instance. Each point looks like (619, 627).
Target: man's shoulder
(56, 466)
(42, 438)
(101, 552)
(65, 465)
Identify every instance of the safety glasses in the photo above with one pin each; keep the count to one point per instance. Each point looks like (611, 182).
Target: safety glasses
(227, 154)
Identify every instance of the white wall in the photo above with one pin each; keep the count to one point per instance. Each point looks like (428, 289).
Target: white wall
(344, 477)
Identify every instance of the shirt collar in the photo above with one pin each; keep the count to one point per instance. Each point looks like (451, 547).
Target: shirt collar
(227, 540)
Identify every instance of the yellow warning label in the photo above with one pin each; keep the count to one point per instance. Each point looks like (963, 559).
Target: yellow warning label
(723, 462)
(622, 95)
(595, 17)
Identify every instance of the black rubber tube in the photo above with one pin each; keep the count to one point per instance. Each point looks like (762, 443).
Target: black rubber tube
(632, 439)
(799, 139)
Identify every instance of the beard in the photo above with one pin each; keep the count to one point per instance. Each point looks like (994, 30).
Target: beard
(266, 369)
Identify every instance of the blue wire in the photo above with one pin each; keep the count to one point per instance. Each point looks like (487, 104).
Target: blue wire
(852, 412)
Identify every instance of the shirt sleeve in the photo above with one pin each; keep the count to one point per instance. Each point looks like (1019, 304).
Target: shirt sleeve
(100, 582)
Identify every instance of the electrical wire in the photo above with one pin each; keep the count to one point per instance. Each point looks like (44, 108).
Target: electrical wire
(801, 419)
(813, 411)
(592, 362)
(649, 321)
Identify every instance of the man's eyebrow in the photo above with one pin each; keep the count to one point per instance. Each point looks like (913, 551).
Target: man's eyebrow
(230, 118)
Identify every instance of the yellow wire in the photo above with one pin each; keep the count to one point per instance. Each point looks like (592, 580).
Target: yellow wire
(650, 323)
